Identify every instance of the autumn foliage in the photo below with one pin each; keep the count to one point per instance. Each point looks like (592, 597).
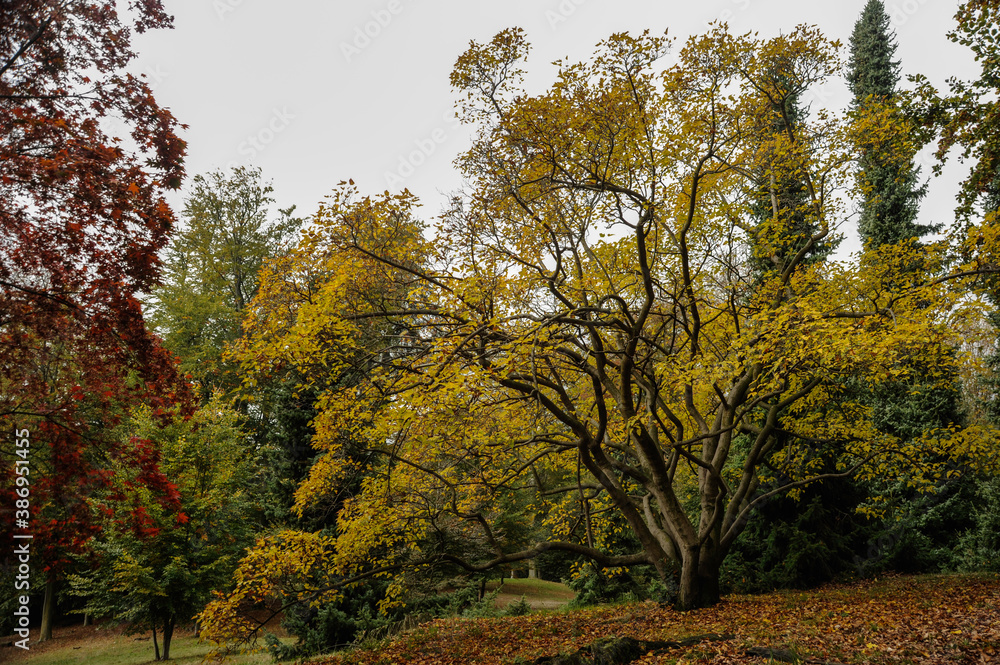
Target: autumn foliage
(86, 155)
(589, 345)
(899, 620)
(620, 341)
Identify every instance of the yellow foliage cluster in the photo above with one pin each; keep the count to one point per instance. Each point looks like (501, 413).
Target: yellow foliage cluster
(585, 347)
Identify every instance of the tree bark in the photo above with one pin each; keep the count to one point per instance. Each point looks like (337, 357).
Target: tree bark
(156, 645)
(699, 580)
(168, 633)
(49, 609)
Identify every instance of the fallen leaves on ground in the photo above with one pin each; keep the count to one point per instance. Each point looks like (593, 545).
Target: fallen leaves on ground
(925, 620)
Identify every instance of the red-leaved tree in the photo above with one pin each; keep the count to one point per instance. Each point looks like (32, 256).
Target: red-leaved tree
(82, 217)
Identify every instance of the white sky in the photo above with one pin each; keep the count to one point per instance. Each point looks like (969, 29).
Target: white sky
(291, 87)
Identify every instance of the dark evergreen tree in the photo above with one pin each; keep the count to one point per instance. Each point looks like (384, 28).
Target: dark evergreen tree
(791, 543)
(890, 180)
(782, 198)
(801, 543)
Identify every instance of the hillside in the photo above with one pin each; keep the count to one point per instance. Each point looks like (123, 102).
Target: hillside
(900, 620)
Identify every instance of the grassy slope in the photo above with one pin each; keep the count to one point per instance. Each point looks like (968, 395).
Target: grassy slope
(77, 645)
(538, 593)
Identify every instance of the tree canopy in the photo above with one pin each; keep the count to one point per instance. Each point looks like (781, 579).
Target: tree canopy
(624, 341)
(82, 217)
(586, 333)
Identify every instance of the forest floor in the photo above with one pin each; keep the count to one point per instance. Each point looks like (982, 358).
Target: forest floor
(927, 620)
(932, 620)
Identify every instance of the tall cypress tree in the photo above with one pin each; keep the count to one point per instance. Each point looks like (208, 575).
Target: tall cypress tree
(918, 403)
(890, 180)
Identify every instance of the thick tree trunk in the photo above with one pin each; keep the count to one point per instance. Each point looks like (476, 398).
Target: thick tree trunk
(699, 581)
(48, 609)
(168, 633)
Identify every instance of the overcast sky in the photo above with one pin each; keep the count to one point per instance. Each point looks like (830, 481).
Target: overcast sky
(315, 92)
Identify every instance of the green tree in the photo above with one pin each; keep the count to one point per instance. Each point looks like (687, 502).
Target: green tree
(887, 175)
(211, 267)
(966, 118)
(158, 566)
(783, 193)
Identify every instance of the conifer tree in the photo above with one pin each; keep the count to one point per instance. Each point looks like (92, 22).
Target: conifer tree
(890, 180)
(782, 197)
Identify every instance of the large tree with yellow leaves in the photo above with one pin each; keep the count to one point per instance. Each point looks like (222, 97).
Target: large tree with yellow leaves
(585, 342)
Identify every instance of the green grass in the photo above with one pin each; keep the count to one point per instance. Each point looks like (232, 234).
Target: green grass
(535, 588)
(540, 594)
(104, 647)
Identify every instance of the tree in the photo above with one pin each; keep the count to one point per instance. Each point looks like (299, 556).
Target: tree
(888, 177)
(158, 561)
(784, 201)
(586, 314)
(968, 117)
(211, 268)
(82, 216)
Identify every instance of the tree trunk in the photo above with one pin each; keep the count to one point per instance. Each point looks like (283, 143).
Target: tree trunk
(168, 633)
(48, 609)
(86, 619)
(532, 569)
(699, 581)
(156, 645)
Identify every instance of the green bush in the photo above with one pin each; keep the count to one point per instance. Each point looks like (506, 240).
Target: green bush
(979, 546)
(594, 587)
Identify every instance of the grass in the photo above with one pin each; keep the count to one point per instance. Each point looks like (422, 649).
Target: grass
(76, 645)
(540, 594)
